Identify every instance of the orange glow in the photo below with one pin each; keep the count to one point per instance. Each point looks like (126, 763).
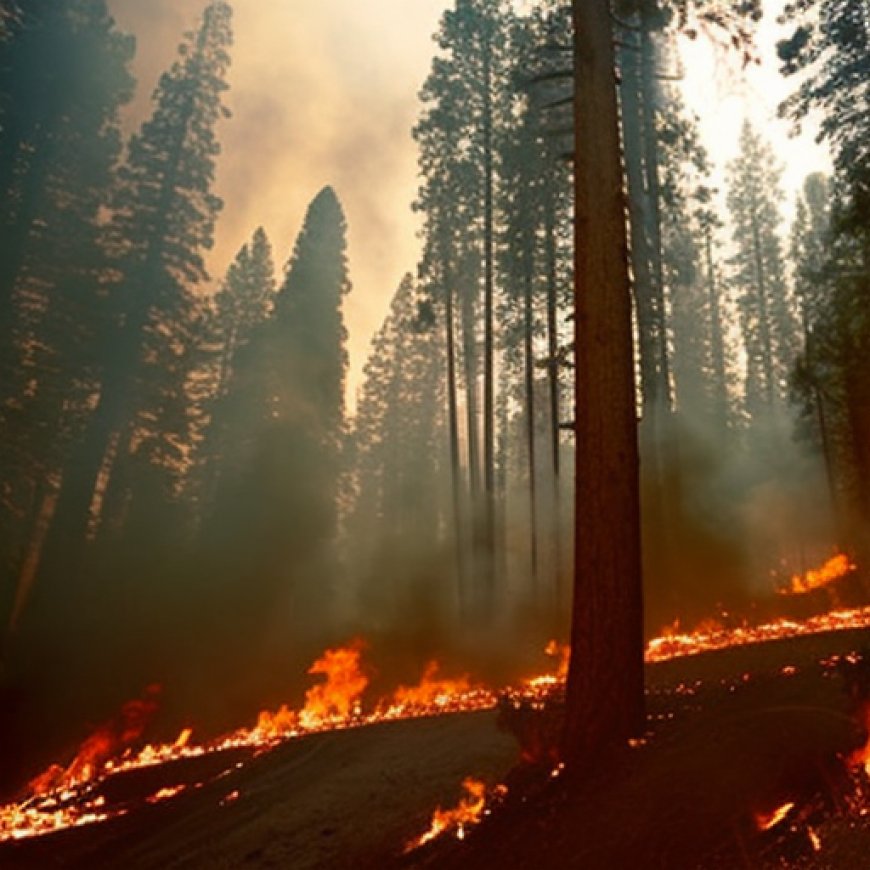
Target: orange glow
(63, 796)
(860, 758)
(431, 691)
(165, 794)
(766, 821)
(836, 567)
(468, 813)
(339, 696)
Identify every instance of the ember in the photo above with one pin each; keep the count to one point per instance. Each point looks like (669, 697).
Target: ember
(766, 821)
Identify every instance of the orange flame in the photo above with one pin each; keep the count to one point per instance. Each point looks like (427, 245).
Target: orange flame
(339, 696)
(431, 691)
(469, 812)
(59, 798)
(835, 568)
(766, 821)
(107, 741)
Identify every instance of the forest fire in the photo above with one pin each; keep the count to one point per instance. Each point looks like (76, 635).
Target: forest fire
(67, 796)
(816, 578)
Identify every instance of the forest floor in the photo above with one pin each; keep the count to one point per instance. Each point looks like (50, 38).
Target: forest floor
(733, 734)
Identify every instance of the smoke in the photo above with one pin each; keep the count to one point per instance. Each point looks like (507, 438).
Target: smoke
(741, 511)
(320, 94)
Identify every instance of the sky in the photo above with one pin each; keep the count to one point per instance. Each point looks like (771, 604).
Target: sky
(325, 92)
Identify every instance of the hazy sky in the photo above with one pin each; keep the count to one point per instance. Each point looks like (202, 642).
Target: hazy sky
(325, 92)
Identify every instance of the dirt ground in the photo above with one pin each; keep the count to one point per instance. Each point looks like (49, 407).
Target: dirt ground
(723, 746)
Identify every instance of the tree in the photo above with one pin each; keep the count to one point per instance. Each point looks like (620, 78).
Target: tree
(399, 450)
(830, 48)
(466, 109)
(604, 694)
(284, 412)
(241, 306)
(59, 143)
(163, 216)
(766, 314)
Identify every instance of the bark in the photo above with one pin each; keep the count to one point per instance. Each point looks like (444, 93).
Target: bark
(604, 694)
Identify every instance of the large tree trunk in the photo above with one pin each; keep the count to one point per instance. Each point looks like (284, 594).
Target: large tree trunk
(604, 696)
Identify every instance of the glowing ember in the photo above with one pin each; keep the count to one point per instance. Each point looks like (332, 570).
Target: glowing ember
(231, 798)
(465, 815)
(766, 821)
(836, 567)
(860, 758)
(670, 646)
(815, 840)
(165, 794)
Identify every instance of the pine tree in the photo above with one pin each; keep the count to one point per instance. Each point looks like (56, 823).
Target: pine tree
(59, 142)
(273, 529)
(767, 317)
(466, 102)
(399, 444)
(241, 307)
(163, 216)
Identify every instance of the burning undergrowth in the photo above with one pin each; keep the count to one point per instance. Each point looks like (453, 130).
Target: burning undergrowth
(84, 790)
(758, 769)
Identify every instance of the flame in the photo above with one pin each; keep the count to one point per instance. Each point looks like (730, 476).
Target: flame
(339, 696)
(561, 652)
(431, 691)
(107, 741)
(468, 813)
(816, 578)
(63, 796)
(766, 821)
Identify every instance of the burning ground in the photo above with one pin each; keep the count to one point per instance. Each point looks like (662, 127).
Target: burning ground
(746, 756)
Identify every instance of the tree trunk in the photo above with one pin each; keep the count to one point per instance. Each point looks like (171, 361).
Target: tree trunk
(553, 386)
(654, 229)
(529, 367)
(604, 695)
(488, 348)
(453, 423)
(717, 342)
(763, 315)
